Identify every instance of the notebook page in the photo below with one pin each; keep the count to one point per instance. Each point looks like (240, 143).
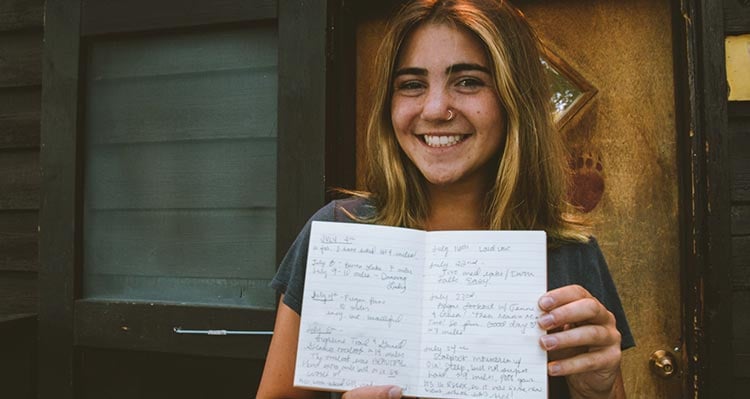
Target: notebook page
(361, 308)
(480, 334)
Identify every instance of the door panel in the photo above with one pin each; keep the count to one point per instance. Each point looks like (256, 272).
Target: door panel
(623, 156)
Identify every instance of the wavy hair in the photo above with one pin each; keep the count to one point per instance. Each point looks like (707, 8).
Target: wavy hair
(531, 181)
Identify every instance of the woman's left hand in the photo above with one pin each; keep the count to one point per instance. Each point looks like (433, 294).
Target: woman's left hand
(582, 341)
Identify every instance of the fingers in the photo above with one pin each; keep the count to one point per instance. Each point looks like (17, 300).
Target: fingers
(605, 361)
(572, 305)
(593, 336)
(583, 335)
(376, 392)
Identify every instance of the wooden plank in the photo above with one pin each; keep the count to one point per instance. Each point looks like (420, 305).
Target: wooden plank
(18, 293)
(57, 214)
(150, 327)
(20, 115)
(702, 106)
(19, 180)
(736, 17)
(21, 14)
(110, 16)
(19, 242)
(341, 147)
(302, 108)
(21, 53)
(116, 374)
(717, 292)
(741, 333)
(739, 109)
(740, 163)
(183, 175)
(740, 219)
(180, 290)
(18, 360)
(741, 261)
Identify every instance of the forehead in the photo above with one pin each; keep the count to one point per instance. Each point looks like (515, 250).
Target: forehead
(440, 45)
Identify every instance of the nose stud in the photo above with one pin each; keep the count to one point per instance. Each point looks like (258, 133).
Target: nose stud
(450, 115)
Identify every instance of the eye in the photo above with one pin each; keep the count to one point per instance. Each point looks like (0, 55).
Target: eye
(410, 87)
(470, 83)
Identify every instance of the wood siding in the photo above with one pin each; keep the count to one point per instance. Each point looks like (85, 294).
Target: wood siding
(21, 37)
(737, 22)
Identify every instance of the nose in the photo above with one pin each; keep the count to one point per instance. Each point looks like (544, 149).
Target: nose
(436, 105)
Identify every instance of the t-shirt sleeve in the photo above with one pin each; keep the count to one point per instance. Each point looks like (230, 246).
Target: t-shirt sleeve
(290, 277)
(584, 264)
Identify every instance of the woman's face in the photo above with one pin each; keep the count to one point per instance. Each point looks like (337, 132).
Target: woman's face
(445, 110)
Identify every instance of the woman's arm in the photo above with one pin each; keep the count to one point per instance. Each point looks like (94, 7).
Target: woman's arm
(278, 373)
(583, 343)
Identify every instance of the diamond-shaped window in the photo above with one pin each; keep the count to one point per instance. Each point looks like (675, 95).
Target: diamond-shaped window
(570, 91)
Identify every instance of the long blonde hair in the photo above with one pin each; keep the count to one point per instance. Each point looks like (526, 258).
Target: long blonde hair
(531, 181)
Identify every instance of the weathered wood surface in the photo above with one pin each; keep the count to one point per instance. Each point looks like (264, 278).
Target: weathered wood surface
(19, 241)
(19, 180)
(114, 374)
(21, 55)
(18, 293)
(18, 359)
(736, 17)
(20, 114)
(21, 14)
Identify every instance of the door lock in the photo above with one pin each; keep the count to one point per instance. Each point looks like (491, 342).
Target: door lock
(663, 363)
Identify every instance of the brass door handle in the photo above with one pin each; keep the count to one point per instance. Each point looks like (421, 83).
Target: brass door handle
(663, 363)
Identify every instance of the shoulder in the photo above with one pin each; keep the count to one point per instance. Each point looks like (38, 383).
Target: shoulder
(350, 210)
(576, 263)
(581, 251)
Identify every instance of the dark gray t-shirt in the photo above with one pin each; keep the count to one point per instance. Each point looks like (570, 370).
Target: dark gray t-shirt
(574, 263)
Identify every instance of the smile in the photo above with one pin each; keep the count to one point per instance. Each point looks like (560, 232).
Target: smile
(442, 141)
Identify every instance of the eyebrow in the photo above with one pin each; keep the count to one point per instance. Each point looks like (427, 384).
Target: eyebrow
(461, 67)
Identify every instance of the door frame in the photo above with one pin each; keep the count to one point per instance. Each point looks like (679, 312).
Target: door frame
(704, 162)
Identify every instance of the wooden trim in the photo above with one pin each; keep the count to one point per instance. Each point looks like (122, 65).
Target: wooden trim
(341, 125)
(57, 214)
(302, 114)
(21, 14)
(703, 134)
(736, 17)
(115, 16)
(150, 327)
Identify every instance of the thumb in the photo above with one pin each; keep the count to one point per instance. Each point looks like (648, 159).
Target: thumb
(376, 392)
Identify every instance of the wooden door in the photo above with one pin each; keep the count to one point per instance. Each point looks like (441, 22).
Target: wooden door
(623, 145)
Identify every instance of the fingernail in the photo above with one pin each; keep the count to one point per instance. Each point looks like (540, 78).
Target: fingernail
(546, 302)
(394, 393)
(554, 369)
(547, 321)
(549, 342)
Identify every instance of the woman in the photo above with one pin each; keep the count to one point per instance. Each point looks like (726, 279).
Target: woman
(461, 138)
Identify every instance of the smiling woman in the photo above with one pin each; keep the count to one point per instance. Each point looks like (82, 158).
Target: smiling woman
(445, 111)
(461, 137)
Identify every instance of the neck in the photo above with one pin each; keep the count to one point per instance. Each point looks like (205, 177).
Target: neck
(456, 209)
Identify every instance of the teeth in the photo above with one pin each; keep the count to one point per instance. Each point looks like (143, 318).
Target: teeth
(442, 141)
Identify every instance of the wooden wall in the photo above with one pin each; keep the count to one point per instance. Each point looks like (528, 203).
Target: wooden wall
(737, 22)
(21, 33)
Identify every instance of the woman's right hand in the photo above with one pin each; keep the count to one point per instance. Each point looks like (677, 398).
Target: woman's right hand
(374, 392)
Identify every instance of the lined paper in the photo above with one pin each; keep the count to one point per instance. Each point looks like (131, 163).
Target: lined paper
(448, 314)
